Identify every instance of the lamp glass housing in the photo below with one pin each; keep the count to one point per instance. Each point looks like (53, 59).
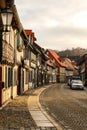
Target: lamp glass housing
(6, 16)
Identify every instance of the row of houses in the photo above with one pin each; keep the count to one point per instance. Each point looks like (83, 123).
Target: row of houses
(23, 63)
(82, 63)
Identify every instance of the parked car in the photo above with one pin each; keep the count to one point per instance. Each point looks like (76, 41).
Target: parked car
(70, 79)
(77, 84)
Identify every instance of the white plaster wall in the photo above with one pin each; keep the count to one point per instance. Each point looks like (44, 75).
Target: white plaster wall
(6, 94)
(14, 91)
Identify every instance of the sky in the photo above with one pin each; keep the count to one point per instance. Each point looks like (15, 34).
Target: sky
(57, 24)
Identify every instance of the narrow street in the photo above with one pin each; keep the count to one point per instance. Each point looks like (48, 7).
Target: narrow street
(68, 107)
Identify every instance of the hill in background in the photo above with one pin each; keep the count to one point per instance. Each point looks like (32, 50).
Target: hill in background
(73, 54)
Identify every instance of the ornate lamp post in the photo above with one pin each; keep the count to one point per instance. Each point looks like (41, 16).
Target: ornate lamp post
(6, 16)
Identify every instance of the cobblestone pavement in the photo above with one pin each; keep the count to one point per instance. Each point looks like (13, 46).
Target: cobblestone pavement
(16, 116)
(68, 107)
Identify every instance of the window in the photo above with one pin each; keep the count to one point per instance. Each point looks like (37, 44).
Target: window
(30, 76)
(15, 78)
(10, 76)
(6, 81)
(26, 77)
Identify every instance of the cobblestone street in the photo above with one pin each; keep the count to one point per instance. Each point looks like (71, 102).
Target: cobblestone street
(68, 107)
(16, 115)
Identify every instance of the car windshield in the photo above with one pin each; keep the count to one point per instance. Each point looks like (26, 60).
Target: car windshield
(77, 81)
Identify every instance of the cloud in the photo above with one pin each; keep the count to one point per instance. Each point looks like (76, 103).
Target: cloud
(56, 23)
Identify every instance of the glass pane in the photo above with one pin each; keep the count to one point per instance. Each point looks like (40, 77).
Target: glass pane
(9, 18)
(3, 15)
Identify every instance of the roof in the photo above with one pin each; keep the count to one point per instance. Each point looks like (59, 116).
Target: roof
(69, 64)
(54, 54)
(56, 57)
(28, 32)
(37, 45)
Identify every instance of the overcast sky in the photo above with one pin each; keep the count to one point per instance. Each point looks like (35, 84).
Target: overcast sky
(57, 24)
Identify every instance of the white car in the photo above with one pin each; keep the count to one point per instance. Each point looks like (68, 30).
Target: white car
(77, 84)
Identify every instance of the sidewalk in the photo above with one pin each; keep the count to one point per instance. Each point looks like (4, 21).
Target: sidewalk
(25, 113)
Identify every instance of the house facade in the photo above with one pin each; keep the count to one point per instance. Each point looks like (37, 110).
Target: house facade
(32, 59)
(7, 65)
(13, 78)
(58, 65)
(71, 67)
(83, 68)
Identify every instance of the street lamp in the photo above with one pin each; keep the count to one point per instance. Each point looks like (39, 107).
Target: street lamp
(6, 15)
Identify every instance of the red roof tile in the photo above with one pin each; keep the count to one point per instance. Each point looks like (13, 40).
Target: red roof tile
(56, 57)
(28, 32)
(70, 65)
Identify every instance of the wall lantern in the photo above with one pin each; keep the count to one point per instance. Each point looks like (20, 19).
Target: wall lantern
(6, 16)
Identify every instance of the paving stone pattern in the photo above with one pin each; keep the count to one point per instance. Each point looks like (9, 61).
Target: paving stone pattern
(16, 113)
(16, 116)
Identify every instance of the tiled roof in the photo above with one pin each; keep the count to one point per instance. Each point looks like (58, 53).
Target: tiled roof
(28, 32)
(56, 57)
(54, 53)
(69, 64)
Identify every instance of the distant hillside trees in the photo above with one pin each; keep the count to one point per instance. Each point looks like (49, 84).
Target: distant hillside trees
(73, 54)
